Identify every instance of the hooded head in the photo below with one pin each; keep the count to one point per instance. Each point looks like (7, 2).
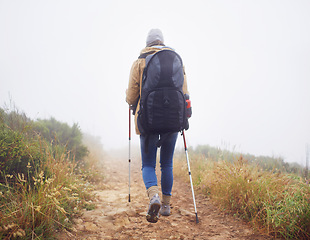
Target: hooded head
(154, 36)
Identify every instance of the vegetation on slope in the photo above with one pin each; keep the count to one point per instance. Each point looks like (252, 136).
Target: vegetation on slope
(273, 199)
(44, 166)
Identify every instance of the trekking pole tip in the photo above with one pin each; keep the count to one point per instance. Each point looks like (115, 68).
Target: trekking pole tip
(129, 198)
(197, 220)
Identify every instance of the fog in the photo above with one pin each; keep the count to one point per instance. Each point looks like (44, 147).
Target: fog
(247, 64)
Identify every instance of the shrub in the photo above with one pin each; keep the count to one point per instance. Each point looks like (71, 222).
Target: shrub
(17, 151)
(39, 190)
(21, 142)
(64, 135)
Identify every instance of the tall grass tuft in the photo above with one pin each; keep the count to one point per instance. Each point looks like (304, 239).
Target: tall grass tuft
(34, 206)
(40, 189)
(274, 202)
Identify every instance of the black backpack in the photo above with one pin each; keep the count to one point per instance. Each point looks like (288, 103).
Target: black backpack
(162, 101)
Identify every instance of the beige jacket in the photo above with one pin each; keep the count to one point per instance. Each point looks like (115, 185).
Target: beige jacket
(135, 81)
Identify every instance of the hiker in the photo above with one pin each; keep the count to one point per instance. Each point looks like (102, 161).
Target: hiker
(149, 142)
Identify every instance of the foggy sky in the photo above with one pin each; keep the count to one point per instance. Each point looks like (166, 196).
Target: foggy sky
(247, 65)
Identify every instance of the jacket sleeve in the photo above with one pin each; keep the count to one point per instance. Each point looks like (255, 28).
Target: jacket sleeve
(133, 90)
(185, 90)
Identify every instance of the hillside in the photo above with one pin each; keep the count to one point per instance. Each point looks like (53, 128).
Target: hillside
(56, 180)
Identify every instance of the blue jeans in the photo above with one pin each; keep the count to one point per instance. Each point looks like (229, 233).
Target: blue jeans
(166, 162)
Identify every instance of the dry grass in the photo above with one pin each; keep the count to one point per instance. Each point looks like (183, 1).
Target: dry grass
(276, 203)
(34, 207)
(41, 186)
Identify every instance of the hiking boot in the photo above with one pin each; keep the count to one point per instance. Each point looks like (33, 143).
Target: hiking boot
(165, 206)
(152, 214)
(165, 210)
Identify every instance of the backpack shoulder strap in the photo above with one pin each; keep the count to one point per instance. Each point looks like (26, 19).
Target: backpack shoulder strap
(144, 55)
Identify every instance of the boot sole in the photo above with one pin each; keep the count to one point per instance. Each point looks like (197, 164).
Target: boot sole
(152, 214)
(165, 214)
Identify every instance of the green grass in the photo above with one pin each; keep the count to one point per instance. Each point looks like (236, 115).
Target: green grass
(34, 209)
(42, 187)
(276, 203)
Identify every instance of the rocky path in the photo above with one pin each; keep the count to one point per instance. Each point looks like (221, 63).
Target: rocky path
(116, 218)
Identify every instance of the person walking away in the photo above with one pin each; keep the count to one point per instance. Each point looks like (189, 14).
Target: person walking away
(149, 142)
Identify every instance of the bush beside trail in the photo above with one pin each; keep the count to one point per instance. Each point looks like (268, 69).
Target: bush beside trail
(276, 202)
(43, 171)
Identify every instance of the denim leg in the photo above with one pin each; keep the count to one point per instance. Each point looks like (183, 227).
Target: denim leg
(149, 161)
(166, 163)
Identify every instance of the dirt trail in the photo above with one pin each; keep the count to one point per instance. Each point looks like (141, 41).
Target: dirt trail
(116, 218)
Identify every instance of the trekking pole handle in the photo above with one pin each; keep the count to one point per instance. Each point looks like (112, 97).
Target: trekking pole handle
(183, 134)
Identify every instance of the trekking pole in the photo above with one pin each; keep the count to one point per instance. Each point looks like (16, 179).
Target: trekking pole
(129, 160)
(190, 175)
